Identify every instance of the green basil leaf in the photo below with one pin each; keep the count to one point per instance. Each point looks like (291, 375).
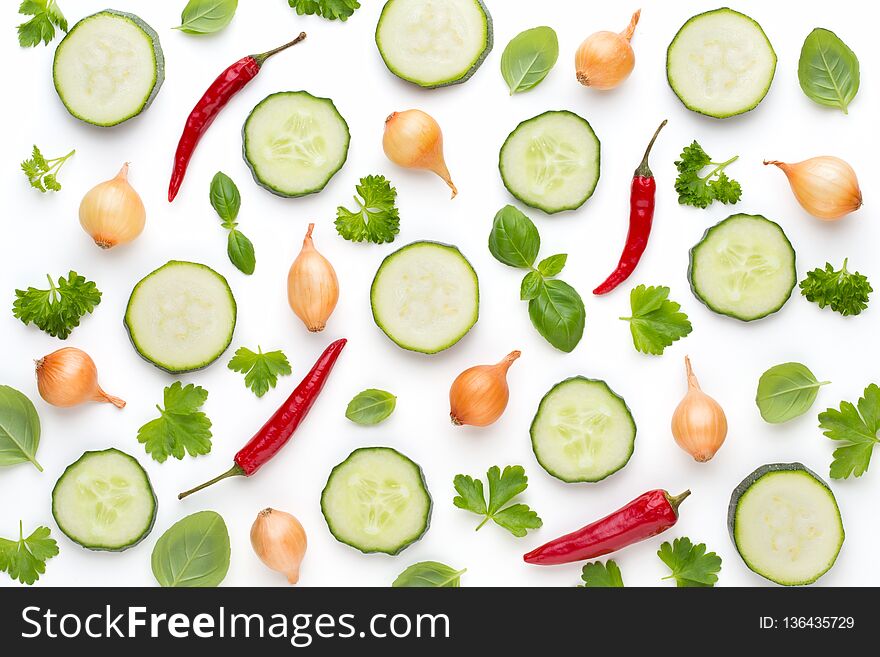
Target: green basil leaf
(225, 199)
(553, 265)
(241, 252)
(828, 70)
(206, 16)
(19, 428)
(530, 286)
(370, 407)
(528, 58)
(514, 240)
(429, 574)
(194, 552)
(786, 391)
(558, 314)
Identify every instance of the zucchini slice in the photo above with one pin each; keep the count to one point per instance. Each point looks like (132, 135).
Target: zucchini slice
(583, 431)
(104, 501)
(376, 500)
(425, 297)
(434, 43)
(108, 68)
(181, 317)
(294, 143)
(720, 63)
(744, 267)
(551, 161)
(785, 524)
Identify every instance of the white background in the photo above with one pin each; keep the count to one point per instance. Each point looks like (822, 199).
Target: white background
(41, 235)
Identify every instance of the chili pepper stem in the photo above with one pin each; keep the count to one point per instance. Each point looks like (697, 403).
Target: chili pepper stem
(234, 471)
(261, 58)
(676, 500)
(644, 171)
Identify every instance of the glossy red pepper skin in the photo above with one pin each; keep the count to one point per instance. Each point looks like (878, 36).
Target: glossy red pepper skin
(222, 90)
(642, 196)
(275, 434)
(644, 517)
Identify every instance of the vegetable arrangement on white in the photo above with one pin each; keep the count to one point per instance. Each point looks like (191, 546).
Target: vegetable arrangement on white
(429, 297)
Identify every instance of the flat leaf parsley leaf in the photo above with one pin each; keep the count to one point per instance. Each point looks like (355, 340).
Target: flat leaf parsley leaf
(57, 310)
(329, 9)
(503, 487)
(656, 321)
(181, 427)
(839, 289)
(598, 575)
(702, 191)
(261, 370)
(25, 559)
(46, 17)
(41, 173)
(376, 218)
(690, 564)
(856, 428)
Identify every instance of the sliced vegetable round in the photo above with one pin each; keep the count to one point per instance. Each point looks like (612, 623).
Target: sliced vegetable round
(785, 524)
(434, 43)
(583, 431)
(294, 143)
(376, 500)
(104, 501)
(181, 317)
(551, 161)
(109, 68)
(720, 63)
(744, 267)
(425, 297)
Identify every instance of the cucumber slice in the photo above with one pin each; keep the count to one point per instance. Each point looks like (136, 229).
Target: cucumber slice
(551, 161)
(425, 297)
(109, 68)
(181, 316)
(720, 63)
(376, 500)
(583, 431)
(785, 524)
(434, 43)
(744, 267)
(294, 143)
(104, 501)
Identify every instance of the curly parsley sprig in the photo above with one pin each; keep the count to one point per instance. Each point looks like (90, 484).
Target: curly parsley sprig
(701, 191)
(843, 291)
(58, 309)
(42, 173)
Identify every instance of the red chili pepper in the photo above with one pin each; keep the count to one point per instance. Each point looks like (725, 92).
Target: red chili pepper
(228, 83)
(644, 517)
(280, 427)
(641, 216)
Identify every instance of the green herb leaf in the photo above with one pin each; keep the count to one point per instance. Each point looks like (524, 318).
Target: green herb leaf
(598, 575)
(690, 564)
(503, 487)
(58, 309)
(531, 286)
(701, 191)
(19, 428)
(371, 407)
(429, 574)
(656, 320)
(225, 199)
(241, 252)
(181, 427)
(25, 559)
(46, 17)
(329, 9)
(528, 58)
(786, 391)
(41, 173)
(856, 428)
(376, 218)
(206, 16)
(194, 552)
(844, 292)
(828, 70)
(514, 240)
(553, 265)
(557, 312)
(261, 371)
